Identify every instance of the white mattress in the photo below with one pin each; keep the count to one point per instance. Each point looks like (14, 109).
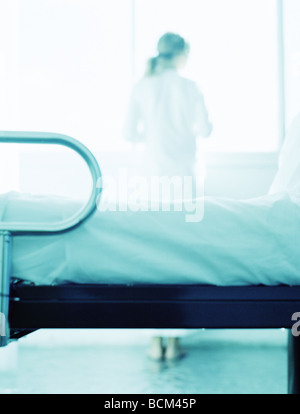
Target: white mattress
(237, 243)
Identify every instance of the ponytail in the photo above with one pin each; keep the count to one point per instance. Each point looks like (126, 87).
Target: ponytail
(159, 63)
(151, 66)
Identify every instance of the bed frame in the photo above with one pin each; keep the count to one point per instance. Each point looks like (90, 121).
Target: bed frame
(25, 307)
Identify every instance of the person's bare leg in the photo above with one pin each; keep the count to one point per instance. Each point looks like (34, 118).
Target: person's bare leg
(156, 349)
(174, 350)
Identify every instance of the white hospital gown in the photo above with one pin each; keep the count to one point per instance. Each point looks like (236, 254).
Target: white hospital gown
(167, 112)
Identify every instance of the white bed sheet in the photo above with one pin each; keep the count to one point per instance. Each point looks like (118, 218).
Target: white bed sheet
(237, 243)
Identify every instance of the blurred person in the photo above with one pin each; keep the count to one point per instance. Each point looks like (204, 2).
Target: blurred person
(167, 113)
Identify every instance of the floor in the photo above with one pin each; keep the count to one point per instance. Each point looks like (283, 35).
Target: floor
(114, 362)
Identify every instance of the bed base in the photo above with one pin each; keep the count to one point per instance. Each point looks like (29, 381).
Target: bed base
(159, 306)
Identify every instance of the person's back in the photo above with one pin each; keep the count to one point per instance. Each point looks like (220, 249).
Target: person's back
(173, 113)
(167, 112)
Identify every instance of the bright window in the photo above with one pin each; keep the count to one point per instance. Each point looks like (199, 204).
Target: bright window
(70, 65)
(234, 59)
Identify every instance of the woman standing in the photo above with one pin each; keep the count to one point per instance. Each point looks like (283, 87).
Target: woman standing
(167, 112)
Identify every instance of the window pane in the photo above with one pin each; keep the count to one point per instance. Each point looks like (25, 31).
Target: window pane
(233, 59)
(66, 65)
(75, 67)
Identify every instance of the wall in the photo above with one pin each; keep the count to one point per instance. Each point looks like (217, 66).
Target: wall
(236, 175)
(239, 175)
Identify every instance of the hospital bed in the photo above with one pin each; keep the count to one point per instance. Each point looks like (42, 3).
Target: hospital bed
(26, 307)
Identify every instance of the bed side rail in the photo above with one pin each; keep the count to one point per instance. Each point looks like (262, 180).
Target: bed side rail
(22, 228)
(90, 205)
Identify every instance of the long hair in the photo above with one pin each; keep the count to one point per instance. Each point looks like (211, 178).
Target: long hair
(169, 46)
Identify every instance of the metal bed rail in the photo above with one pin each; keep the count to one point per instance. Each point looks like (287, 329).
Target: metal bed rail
(7, 230)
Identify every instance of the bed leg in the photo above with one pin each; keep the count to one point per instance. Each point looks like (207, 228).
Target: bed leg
(5, 244)
(293, 363)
